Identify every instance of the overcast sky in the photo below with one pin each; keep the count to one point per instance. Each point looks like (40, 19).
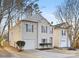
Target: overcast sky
(48, 7)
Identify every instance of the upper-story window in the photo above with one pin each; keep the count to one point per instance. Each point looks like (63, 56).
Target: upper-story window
(29, 28)
(63, 32)
(50, 30)
(44, 29)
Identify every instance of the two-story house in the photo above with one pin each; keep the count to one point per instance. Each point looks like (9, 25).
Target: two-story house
(35, 30)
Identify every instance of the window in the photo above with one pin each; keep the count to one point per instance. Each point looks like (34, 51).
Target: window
(29, 28)
(26, 27)
(44, 29)
(63, 32)
(50, 40)
(50, 30)
(44, 40)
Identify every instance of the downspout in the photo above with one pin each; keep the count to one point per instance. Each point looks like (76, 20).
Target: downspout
(37, 35)
(67, 40)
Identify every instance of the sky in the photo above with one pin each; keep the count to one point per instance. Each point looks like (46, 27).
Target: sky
(48, 7)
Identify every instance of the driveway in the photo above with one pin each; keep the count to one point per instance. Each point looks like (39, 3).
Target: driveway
(37, 54)
(46, 54)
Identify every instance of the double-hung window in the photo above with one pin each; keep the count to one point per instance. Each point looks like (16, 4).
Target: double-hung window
(44, 29)
(63, 32)
(44, 40)
(29, 28)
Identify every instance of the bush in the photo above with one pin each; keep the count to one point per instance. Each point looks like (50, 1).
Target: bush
(1, 39)
(20, 44)
(71, 49)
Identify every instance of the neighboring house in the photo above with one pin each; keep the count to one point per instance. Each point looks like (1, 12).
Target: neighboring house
(36, 31)
(60, 35)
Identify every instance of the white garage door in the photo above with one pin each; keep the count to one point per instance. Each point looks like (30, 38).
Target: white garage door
(29, 44)
(63, 43)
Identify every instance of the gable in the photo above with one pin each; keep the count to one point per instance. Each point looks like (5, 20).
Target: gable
(43, 20)
(37, 18)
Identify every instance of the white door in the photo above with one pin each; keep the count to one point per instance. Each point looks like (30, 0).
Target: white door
(29, 44)
(63, 42)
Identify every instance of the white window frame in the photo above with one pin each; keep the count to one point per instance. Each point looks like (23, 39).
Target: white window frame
(29, 28)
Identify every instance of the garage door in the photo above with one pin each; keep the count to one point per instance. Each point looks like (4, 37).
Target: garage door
(29, 44)
(64, 43)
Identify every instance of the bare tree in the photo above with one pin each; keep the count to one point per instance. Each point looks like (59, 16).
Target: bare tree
(11, 7)
(69, 13)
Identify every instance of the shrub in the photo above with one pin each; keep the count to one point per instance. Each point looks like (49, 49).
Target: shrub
(20, 44)
(1, 39)
(71, 49)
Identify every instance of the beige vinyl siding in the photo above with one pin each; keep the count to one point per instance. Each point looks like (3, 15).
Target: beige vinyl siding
(56, 37)
(29, 35)
(15, 35)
